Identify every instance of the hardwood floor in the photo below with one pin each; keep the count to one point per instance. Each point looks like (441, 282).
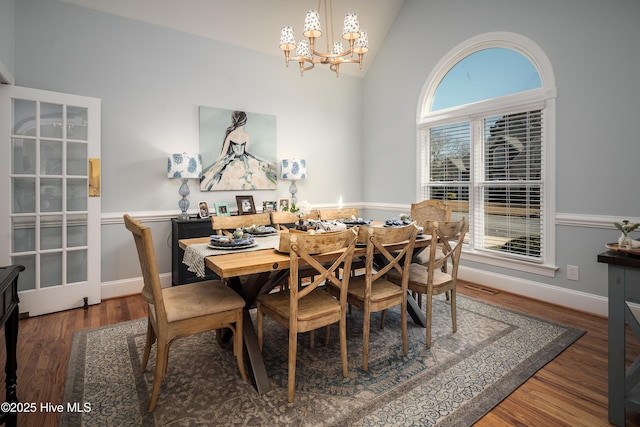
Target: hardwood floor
(569, 391)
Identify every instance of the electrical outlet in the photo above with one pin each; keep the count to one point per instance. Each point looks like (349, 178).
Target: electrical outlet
(573, 272)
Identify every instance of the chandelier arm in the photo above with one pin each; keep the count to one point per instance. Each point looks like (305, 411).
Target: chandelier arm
(331, 55)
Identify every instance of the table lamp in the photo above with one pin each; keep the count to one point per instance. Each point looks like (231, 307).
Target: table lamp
(293, 170)
(184, 166)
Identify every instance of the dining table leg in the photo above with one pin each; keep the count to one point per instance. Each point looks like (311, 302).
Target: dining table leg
(413, 308)
(415, 311)
(249, 289)
(257, 368)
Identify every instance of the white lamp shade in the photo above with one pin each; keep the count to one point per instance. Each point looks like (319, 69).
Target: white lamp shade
(362, 43)
(351, 29)
(184, 166)
(312, 24)
(303, 49)
(287, 39)
(293, 169)
(338, 49)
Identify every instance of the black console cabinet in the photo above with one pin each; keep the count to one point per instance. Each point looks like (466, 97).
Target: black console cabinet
(186, 229)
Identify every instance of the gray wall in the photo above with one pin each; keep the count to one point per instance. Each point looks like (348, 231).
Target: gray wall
(151, 81)
(7, 35)
(594, 50)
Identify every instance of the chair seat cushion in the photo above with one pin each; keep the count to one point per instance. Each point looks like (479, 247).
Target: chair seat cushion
(381, 289)
(315, 305)
(418, 276)
(199, 299)
(423, 257)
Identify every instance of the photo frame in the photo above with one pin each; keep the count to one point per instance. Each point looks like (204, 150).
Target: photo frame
(284, 202)
(222, 209)
(269, 206)
(203, 210)
(245, 205)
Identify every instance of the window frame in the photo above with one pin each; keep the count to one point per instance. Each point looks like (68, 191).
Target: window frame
(542, 98)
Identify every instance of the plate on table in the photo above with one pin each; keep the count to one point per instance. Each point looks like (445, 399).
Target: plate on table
(354, 222)
(395, 222)
(261, 231)
(224, 242)
(233, 246)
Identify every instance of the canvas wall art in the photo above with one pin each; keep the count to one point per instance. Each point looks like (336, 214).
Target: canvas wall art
(238, 150)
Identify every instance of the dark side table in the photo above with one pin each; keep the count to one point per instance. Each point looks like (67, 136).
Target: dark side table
(624, 285)
(9, 319)
(187, 229)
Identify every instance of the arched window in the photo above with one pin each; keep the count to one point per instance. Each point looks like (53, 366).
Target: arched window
(486, 126)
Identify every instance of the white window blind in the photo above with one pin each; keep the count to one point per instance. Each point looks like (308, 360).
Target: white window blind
(511, 188)
(493, 177)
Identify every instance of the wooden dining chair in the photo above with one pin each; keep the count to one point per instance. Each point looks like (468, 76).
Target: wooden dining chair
(181, 311)
(432, 279)
(372, 292)
(283, 220)
(425, 211)
(341, 213)
(303, 309)
(220, 224)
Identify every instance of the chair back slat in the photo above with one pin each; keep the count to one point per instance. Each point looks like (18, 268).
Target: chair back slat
(280, 219)
(430, 210)
(377, 239)
(222, 223)
(448, 233)
(152, 288)
(333, 214)
(306, 248)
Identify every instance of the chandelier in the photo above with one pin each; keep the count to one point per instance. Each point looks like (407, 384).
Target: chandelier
(306, 54)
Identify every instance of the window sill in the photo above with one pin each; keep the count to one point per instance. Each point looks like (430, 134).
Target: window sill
(523, 266)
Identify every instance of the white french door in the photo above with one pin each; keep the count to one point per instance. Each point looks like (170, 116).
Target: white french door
(50, 223)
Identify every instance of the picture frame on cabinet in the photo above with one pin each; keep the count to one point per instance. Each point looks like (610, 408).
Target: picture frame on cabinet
(222, 209)
(283, 204)
(245, 205)
(268, 206)
(203, 210)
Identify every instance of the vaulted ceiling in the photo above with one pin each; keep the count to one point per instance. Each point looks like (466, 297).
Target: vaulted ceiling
(254, 24)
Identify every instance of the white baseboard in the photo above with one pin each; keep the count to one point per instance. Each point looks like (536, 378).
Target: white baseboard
(576, 300)
(121, 288)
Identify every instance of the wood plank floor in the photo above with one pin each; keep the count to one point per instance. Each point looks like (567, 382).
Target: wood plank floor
(569, 391)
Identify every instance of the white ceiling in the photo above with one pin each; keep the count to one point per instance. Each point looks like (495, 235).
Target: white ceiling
(255, 24)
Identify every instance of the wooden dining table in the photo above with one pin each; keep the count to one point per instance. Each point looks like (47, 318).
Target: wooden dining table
(257, 272)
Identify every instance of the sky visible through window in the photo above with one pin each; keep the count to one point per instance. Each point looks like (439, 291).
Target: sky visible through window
(486, 74)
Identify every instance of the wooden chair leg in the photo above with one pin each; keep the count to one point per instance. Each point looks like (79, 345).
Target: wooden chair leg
(405, 333)
(293, 346)
(366, 324)
(151, 338)
(312, 338)
(161, 362)
(383, 316)
(259, 321)
(454, 320)
(327, 334)
(343, 345)
(238, 346)
(428, 315)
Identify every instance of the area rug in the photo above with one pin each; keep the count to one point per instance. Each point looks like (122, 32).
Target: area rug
(454, 383)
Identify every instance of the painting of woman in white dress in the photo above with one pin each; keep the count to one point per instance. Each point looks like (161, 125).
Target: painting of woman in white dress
(246, 160)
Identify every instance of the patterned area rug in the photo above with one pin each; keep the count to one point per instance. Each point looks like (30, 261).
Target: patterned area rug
(455, 382)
